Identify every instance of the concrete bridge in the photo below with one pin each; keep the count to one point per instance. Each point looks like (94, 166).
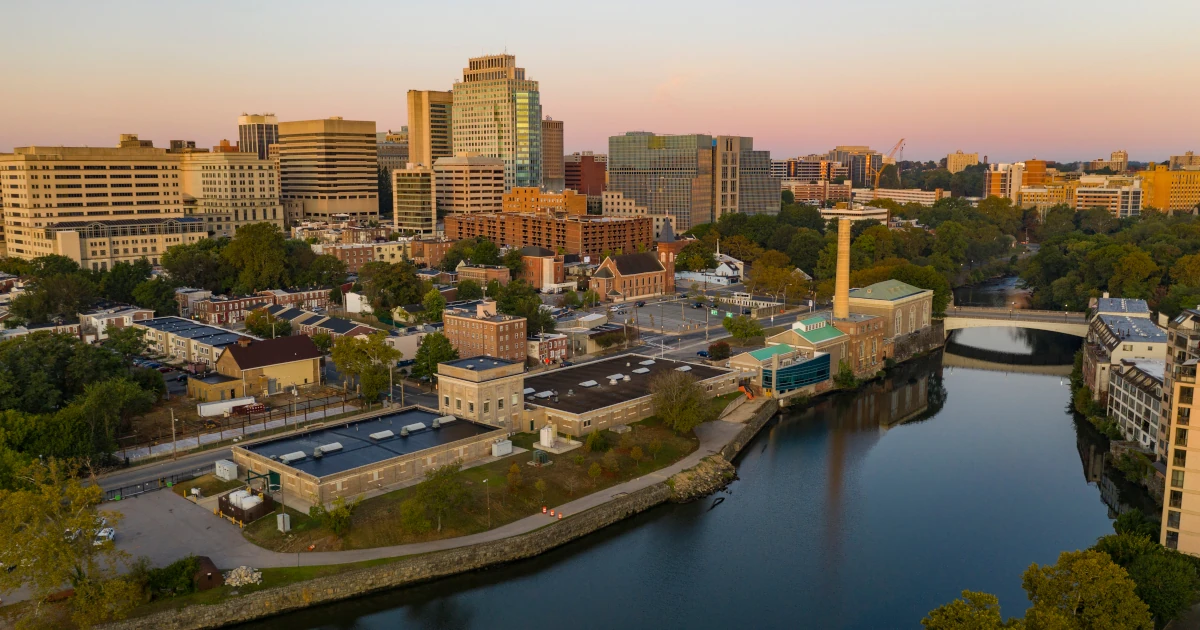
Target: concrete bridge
(958, 317)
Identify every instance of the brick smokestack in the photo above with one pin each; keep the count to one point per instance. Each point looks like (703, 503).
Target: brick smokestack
(841, 292)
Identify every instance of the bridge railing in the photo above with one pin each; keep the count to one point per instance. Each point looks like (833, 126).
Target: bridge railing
(1012, 312)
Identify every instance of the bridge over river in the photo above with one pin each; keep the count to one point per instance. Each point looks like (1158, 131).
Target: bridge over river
(959, 317)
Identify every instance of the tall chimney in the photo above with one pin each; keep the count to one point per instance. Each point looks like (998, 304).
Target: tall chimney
(841, 292)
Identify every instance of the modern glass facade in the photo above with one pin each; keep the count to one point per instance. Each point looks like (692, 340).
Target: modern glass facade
(758, 189)
(797, 375)
(413, 200)
(668, 175)
(497, 112)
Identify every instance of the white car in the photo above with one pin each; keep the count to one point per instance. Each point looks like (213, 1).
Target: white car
(107, 534)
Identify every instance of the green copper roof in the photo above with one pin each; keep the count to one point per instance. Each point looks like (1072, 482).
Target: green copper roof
(812, 320)
(818, 335)
(889, 290)
(765, 354)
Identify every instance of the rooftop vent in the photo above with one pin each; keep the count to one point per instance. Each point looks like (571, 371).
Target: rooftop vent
(588, 384)
(382, 435)
(684, 368)
(292, 457)
(329, 448)
(403, 431)
(642, 371)
(528, 391)
(615, 377)
(646, 362)
(446, 419)
(544, 395)
(416, 426)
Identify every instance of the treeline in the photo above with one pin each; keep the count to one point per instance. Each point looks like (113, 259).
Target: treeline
(258, 257)
(1155, 257)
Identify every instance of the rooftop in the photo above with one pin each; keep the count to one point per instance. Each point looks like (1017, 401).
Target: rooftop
(359, 449)
(1153, 368)
(1138, 329)
(188, 329)
(644, 262)
(1121, 305)
(479, 363)
(889, 290)
(256, 354)
(574, 397)
(819, 335)
(765, 354)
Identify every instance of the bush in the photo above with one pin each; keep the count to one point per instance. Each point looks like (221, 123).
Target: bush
(719, 351)
(595, 443)
(177, 578)
(412, 517)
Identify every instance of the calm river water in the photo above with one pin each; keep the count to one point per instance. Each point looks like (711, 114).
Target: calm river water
(864, 511)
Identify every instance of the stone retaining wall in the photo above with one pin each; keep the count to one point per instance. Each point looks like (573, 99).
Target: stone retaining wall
(704, 479)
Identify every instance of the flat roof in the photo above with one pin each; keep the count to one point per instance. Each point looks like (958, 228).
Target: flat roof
(581, 399)
(479, 363)
(889, 290)
(1137, 329)
(1121, 305)
(358, 449)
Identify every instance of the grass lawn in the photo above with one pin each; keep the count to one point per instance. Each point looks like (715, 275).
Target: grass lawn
(376, 522)
(209, 486)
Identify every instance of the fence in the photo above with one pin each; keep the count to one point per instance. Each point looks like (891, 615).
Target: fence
(116, 494)
(216, 430)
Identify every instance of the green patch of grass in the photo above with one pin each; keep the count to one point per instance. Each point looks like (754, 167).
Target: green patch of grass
(209, 486)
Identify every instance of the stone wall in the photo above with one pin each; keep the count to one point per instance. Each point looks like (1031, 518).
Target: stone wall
(909, 346)
(709, 476)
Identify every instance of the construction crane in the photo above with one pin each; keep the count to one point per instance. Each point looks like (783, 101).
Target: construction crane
(889, 158)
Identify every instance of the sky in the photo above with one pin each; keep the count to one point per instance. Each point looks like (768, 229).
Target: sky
(1052, 79)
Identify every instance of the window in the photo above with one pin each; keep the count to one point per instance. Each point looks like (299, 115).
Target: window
(1173, 519)
(458, 403)
(1185, 395)
(1181, 437)
(471, 407)
(500, 404)
(1176, 478)
(1176, 499)
(1172, 540)
(1180, 458)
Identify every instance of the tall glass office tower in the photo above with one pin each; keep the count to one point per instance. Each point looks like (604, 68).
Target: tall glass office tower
(497, 113)
(668, 175)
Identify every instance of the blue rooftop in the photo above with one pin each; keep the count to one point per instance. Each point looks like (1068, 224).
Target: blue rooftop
(1121, 305)
(479, 363)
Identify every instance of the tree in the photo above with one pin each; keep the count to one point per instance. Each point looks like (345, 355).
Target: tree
(654, 447)
(590, 298)
(469, 290)
(126, 341)
(263, 323)
(259, 253)
(514, 261)
(412, 517)
(369, 359)
(434, 304)
(323, 341)
(442, 490)
(337, 519)
(1083, 589)
(636, 455)
(695, 257)
(384, 177)
(594, 472)
(41, 372)
(324, 271)
(611, 462)
(46, 500)
(680, 401)
(158, 294)
(485, 252)
(570, 299)
(197, 264)
(118, 284)
(742, 327)
(388, 285)
(845, 376)
(1135, 276)
(718, 351)
(540, 486)
(1134, 521)
(52, 298)
(1167, 582)
(435, 348)
(787, 198)
(975, 611)
(514, 478)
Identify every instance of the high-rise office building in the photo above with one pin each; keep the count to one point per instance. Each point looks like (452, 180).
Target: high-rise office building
(469, 183)
(1171, 191)
(742, 180)
(586, 173)
(393, 149)
(228, 189)
(498, 113)
(861, 161)
(1004, 180)
(429, 136)
(1117, 162)
(414, 199)
(330, 167)
(671, 176)
(96, 206)
(958, 161)
(553, 174)
(256, 132)
(1189, 160)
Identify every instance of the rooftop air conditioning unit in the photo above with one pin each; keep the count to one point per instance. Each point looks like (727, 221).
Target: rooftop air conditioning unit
(329, 448)
(416, 426)
(292, 457)
(382, 435)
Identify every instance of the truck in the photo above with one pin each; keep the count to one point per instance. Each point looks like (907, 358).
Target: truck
(222, 407)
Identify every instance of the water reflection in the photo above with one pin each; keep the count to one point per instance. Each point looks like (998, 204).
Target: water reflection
(996, 293)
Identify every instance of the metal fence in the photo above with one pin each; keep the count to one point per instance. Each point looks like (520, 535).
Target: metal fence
(116, 494)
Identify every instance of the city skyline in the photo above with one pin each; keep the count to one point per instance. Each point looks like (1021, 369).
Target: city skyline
(872, 74)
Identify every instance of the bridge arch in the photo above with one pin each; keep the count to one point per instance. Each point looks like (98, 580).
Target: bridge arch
(958, 318)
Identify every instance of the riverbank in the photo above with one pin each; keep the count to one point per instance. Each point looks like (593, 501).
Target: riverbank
(705, 473)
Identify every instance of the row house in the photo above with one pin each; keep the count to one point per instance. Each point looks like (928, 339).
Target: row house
(299, 298)
(98, 321)
(223, 310)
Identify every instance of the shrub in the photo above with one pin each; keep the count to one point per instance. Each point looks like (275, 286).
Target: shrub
(595, 443)
(719, 351)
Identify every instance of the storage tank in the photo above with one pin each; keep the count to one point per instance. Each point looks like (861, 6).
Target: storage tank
(250, 501)
(235, 497)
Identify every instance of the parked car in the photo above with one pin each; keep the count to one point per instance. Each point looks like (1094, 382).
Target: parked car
(165, 368)
(698, 305)
(702, 353)
(567, 364)
(640, 303)
(181, 377)
(107, 534)
(746, 311)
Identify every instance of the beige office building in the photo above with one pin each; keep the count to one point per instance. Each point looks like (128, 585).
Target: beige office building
(257, 132)
(97, 206)
(498, 113)
(469, 182)
(429, 118)
(330, 166)
(1189, 160)
(229, 190)
(957, 161)
(1121, 196)
(414, 200)
(554, 176)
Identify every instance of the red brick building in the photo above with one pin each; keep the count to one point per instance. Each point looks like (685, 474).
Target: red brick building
(584, 235)
(483, 274)
(430, 253)
(222, 310)
(299, 298)
(355, 255)
(475, 329)
(541, 267)
(585, 174)
(546, 348)
(630, 277)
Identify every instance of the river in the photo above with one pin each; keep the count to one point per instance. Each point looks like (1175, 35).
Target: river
(865, 510)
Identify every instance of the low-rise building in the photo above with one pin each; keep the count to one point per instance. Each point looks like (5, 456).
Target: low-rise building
(483, 274)
(186, 298)
(186, 340)
(1135, 391)
(631, 277)
(584, 235)
(355, 255)
(475, 329)
(268, 366)
(602, 394)
(904, 308)
(484, 389)
(812, 336)
(299, 298)
(98, 321)
(529, 199)
(817, 192)
(547, 348)
(868, 347)
(224, 310)
(541, 267)
(901, 195)
(781, 369)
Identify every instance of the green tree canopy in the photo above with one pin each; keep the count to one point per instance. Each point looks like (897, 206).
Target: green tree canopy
(259, 252)
(261, 323)
(435, 348)
(680, 401)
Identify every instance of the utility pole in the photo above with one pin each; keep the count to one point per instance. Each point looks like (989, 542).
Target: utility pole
(174, 444)
(488, 490)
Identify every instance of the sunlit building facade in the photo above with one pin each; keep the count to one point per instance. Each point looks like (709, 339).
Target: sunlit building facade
(497, 112)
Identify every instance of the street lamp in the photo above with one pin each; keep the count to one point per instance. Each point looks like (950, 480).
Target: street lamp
(487, 490)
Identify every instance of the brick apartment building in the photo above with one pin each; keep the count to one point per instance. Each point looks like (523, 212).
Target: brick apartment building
(430, 253)
(585, 174)
(475, 329)
(225, 310)
(587, 236)
(483, 274)
(541, 267)
(355, 255)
